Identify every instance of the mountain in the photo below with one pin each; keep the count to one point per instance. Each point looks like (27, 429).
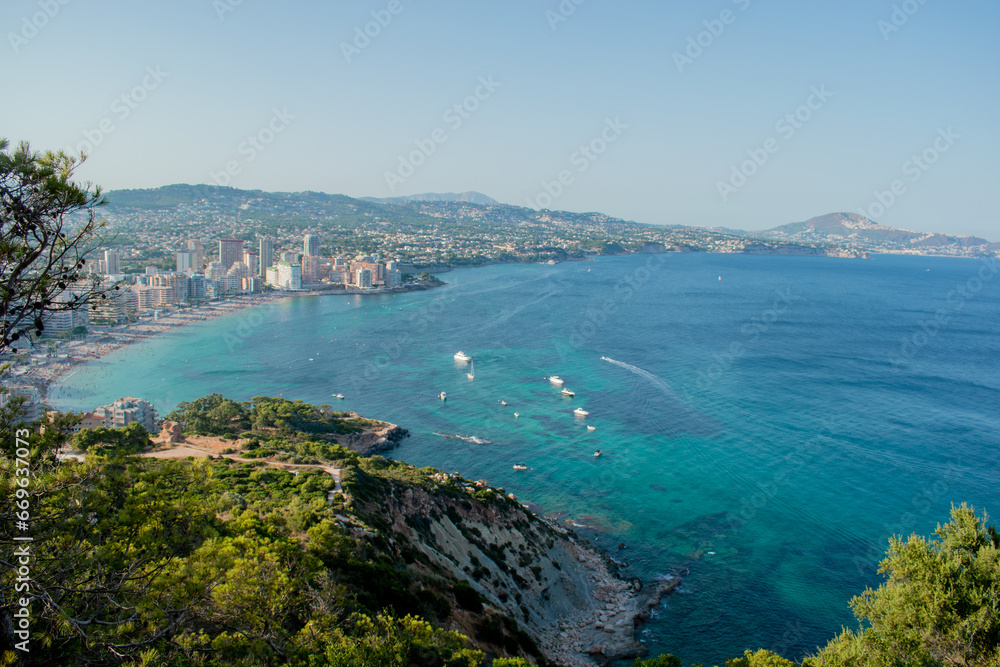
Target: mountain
(467, 197)
(862, 233)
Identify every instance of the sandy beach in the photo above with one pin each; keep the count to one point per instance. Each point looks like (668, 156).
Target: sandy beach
(51, 360)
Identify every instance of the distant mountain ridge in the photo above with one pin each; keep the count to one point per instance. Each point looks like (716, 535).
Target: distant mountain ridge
(862, 232)
(466, 197)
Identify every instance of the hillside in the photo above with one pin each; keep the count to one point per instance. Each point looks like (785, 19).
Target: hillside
(470, 197)
(860, 232)
(441, 231)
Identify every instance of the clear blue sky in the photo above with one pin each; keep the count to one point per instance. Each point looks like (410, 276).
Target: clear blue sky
(226, 71)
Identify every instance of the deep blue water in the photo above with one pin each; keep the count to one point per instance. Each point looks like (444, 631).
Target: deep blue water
(788, 414)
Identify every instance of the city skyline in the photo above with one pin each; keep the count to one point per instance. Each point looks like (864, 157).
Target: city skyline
(735, 114)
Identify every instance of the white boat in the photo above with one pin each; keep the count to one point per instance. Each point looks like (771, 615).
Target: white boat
(503, 402)
(597, 453)
(516, 415)
(591, 428)
(442, 396)
(520, 466)
(567, 392)
(462, 356)
(340, 396)
(580, 412)
(472, 372)
(556, 380)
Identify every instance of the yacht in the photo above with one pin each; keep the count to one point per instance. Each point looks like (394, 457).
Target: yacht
(462, 356)
(580, 412)
(567, 392)
(556, 380)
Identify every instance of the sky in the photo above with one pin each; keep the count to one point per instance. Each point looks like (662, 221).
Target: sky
(745, 114)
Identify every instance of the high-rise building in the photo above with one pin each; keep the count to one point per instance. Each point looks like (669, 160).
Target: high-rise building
(285, 276)
(185, 261)
(252, 260)
(230, 252)
(111, 262)
(266, 251)
(198, 248)
(310, 244)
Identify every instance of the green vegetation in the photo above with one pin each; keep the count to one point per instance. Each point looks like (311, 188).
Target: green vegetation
(939, 607)
(216, 415)
(41, 251)
(215, 562)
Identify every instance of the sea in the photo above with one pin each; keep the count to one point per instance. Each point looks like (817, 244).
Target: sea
(765, 423)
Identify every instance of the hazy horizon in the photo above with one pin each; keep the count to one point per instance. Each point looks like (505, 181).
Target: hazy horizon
(818, 109)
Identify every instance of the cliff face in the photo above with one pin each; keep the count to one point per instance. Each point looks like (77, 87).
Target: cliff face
(559, 591)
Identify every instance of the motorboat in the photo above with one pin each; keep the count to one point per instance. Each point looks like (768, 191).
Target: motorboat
(597, 453)
(591, 428)
(580, 412)
(520, 466)
(516, 415)
(472, 372)
(462, 356)
(503, 402)
(567, 392)
(556, 380)
(340, 396)
(442, 396)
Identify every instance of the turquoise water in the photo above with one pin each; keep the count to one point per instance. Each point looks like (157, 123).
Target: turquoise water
(765, 409)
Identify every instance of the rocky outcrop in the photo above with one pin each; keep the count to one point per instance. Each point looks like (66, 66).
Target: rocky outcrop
(563, 593)
(171, 433)
(374, 440)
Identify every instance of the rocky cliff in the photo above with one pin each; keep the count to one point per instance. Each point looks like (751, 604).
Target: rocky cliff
(561, 592)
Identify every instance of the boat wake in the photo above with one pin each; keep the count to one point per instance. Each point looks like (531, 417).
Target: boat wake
(657, 382)
(465, 438)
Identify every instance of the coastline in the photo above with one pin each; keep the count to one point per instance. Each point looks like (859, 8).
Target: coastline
(45, 369)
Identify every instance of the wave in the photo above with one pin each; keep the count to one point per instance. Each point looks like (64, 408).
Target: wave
(465, 438)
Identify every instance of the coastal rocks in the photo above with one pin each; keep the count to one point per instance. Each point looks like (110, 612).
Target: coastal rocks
(375, 440)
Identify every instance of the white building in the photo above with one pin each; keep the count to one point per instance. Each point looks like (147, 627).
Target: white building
(126, 411)
(31, 408)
